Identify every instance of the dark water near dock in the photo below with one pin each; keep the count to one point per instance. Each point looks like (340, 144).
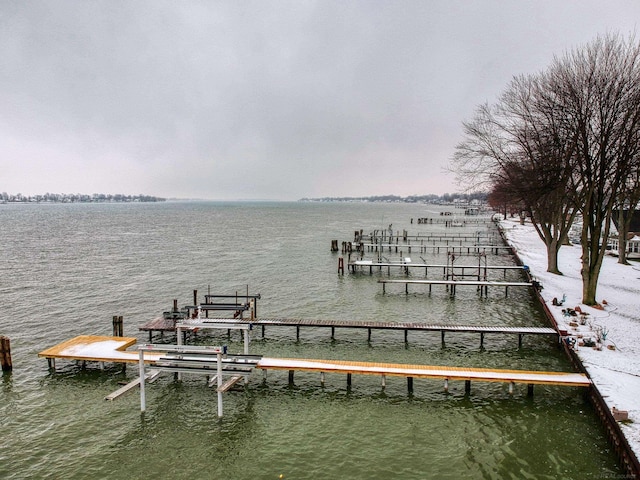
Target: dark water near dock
(65, 270)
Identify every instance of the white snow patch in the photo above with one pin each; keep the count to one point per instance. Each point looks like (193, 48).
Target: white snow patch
(616, 373)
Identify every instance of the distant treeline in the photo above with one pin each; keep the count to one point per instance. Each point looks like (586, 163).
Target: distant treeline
(447, 198)
(76, 198)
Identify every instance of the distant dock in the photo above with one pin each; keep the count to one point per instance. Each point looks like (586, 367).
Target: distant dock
(452, 285)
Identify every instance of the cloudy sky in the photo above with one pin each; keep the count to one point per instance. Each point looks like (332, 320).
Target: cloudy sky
(263, 99)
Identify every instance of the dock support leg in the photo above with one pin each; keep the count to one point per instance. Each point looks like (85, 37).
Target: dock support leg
(246, 342)
(219, 360)
(322, 378)
(481, 339)
(467, 387)
(264, 375)
(348, 380)
(333, 333)
(383, 381)
(262, 331)
(511, 388)
(369, 335)
(520, 340)
(298, 332)
(410, 384)
(442, 337)
(446, 385)
(142, 373)
(406, 336)
(530, 390)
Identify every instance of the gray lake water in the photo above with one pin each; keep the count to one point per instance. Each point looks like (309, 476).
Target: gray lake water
(66, 270)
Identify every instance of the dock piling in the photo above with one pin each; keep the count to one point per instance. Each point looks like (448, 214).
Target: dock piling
(118, 326)
(5, 354)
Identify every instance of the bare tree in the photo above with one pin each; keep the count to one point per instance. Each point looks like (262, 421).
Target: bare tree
(520, 147)
(597, 89)
(563, 141)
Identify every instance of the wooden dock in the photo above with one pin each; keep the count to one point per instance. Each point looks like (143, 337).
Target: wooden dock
(374, 325)
(94, 348)
(444, 373)
(482, 285)
(159, 324)
(215, 362)
(423, 248)
(407, 264)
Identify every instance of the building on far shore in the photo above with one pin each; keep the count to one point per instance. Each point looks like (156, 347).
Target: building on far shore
(633, 238)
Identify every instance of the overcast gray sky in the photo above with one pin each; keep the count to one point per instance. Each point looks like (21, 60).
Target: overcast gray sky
(263, 99)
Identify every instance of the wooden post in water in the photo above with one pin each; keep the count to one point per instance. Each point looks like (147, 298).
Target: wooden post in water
(118, 326)
(118, 331)
(341, 265)
(5, 354)
(195, 298)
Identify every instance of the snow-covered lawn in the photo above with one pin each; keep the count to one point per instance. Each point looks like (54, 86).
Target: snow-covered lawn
(615, 367)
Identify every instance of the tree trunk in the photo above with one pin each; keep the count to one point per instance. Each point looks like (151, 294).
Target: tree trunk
(623, 229)
(589, 285)
(553, 248)
(592, 255)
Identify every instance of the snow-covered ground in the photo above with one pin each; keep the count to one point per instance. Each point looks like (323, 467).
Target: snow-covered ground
(614, 364)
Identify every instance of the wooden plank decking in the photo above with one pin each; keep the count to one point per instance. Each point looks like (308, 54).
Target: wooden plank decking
(483, 285)
(96, 348)
(373, 325)
(426, 371)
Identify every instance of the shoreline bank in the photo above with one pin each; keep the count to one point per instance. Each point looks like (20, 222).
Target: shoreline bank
(604, 343)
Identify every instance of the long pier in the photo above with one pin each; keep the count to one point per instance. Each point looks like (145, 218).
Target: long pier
(216, 362)
(423, 248)
(483, 286)
(407, 264)
(410, 372)
(374, 325)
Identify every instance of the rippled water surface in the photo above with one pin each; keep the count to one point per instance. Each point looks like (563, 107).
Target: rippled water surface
(66, 270)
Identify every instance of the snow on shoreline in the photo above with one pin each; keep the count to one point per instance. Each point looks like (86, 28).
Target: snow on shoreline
(615, 367)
